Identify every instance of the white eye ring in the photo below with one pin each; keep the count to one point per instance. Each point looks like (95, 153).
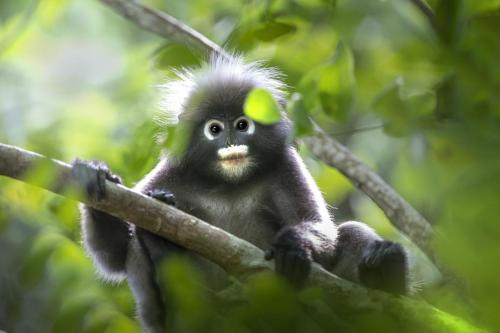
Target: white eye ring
(250, 125)
(210, 126)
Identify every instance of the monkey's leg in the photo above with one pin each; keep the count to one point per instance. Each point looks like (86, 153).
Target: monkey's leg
(105, 237)
(142, 280)
(146, 253)
(362, 256)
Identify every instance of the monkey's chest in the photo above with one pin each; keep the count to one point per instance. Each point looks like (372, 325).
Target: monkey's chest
(242, 216)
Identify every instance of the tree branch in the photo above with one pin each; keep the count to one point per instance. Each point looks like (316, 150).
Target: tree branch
(401, 214)
(236, 256)
(426, 10)
(164, 25)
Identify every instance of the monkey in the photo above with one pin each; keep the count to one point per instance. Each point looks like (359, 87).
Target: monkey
(239, 175)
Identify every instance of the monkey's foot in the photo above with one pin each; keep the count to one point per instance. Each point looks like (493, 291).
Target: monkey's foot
(385, 267)
(92, 176)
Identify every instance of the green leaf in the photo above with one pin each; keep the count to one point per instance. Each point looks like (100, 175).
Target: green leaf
(336, 83)
(189, 298)
(302, 124)
(36, 260)
(246, 36)
(242, 38)
(272, 30)
(403, 110)
(449, 20)
(178, 138)
(175, 55)
(261, 106)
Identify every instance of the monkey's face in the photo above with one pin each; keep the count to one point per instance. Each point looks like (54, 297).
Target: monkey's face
(228, 146)
(230, 140)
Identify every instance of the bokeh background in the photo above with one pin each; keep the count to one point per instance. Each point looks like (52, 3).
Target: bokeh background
(418, 102)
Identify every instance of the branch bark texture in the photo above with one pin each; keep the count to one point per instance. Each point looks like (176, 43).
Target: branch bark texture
(236, 256)
(401, 214)
(164, 25)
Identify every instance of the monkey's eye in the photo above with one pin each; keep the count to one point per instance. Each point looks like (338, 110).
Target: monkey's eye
(243, 124)
(213, 128)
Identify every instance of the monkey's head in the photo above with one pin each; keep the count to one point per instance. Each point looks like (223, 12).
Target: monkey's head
(225, 145)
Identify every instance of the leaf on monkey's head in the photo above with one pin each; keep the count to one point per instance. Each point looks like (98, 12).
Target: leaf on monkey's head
(261, 106)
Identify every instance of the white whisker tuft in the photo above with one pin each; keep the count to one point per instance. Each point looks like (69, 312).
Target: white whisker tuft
(232, 152)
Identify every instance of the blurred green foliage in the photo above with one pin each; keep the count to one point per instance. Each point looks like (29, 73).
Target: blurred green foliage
(417, 101)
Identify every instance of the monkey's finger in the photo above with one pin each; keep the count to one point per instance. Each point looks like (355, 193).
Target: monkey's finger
(288, 265)
(101, 184)
(269, 254)
(165, 197)
(299, 268)
(279, 262)
(295, 270)
(113, 178)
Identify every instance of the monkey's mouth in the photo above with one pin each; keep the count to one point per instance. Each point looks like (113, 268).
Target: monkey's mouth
(233, 154)
(234, 161)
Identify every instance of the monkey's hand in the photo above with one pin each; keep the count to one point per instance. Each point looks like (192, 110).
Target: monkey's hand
(92, 176)
(385, 267)
(292, 254)
(162, 195)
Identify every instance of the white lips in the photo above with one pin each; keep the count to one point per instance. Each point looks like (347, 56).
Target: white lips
(233, 152)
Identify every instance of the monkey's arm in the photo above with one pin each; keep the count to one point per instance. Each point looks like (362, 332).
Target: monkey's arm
(105, 237)
(307, 231)
(120, 250)
(353, 251)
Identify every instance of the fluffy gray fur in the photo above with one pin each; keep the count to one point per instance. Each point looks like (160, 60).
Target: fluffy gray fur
(275, 204)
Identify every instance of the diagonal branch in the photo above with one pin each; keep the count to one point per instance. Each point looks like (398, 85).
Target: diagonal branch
(401, 214)
(236, 256)
(424, 7)
(164, 25)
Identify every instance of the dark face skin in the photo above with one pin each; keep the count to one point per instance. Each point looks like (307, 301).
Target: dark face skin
(218, 122)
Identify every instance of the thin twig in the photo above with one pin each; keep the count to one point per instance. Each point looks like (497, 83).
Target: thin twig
(356, 130)
(401, 214)
(164, 25)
